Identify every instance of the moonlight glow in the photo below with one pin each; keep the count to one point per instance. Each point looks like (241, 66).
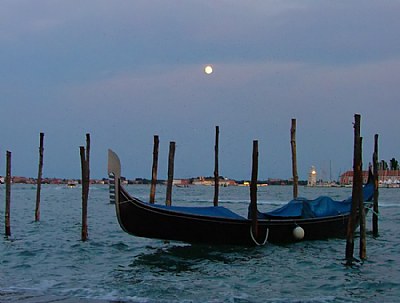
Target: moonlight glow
(208, 69)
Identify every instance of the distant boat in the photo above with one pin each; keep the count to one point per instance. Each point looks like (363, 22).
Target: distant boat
(72, 184)
(299, 219)
(182, 185)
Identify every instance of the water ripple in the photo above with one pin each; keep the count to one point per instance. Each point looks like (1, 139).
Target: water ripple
(47, 262)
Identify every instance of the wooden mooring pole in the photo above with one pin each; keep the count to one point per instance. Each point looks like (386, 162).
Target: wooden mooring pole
(39, 178)
(294, 158)
(154, 170)
(216, 173)
(375, 230)
(87, 170)
(88, 160)
(356, 191)
(168, 200)
(8, 195)
(85, 185)
(253, 190)
(361, 213)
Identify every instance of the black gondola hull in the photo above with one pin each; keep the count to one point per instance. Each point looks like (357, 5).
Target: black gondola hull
(144, 220)
(217, 225)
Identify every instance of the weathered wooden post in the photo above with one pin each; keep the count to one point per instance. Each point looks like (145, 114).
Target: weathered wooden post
(171, 157)
(84, 200)
(253, 190)
(154, 170)
(85, 185)
(375, 231)
(216, 173)
(39, 178)
(294, 158)
(87, 164)
(361, 213)
(8, 195)
(356, 191)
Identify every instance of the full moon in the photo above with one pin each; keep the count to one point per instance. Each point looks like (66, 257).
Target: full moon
(208, 69)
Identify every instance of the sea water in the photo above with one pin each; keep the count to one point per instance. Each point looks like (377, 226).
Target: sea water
(47, 262)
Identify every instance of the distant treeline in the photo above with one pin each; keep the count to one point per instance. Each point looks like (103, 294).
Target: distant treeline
(393, 165)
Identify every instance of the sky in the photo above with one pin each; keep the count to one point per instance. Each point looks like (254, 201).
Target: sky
(124, 71)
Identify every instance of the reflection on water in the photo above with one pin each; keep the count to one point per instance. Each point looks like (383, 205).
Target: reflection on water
(177, 258)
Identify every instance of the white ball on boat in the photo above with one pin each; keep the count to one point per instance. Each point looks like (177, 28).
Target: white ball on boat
(298, 233)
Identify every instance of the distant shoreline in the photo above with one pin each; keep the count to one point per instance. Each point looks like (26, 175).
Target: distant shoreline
(144, 181)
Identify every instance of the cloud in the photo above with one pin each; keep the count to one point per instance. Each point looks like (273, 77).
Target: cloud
(158, 32)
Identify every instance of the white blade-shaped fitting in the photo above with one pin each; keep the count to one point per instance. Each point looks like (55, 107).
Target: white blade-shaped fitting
(114, 164)
(114, 174)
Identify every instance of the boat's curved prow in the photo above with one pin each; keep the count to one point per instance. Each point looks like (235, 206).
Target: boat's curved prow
(114, 174)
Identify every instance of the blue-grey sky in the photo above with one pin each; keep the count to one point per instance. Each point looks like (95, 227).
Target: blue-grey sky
(124, 71)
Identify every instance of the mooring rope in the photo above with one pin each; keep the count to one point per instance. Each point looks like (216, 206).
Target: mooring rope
(254, 239)
(375, 213)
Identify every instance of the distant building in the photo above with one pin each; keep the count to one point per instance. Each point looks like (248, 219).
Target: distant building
(387, 178)
(181, 182)
(347, 177)
(210, 181)
(203, 181)
(312, 177)
(227, 182)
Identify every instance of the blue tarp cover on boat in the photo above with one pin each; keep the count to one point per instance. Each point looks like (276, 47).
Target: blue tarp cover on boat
(320, 207)
(209, 211)
(300, 207)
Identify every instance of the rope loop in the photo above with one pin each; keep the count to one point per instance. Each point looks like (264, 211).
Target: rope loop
(254, 239)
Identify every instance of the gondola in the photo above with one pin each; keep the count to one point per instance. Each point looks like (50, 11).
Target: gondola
(300, 219)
